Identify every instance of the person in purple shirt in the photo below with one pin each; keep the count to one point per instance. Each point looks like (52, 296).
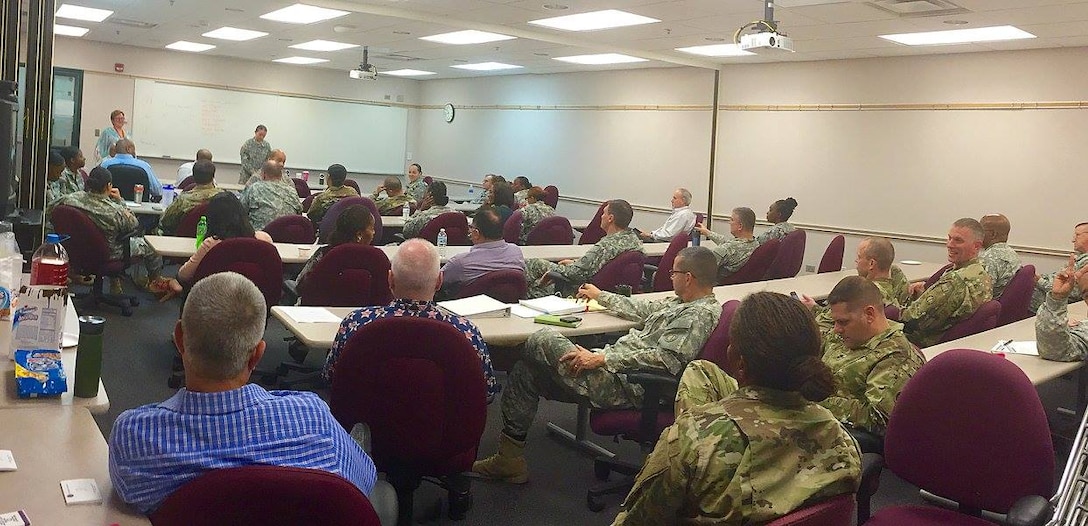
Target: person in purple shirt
(489, 252)
(126, 154)
(219, 420)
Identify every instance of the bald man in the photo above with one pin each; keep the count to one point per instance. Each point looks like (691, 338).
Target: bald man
(126, 155)
(1000, 261)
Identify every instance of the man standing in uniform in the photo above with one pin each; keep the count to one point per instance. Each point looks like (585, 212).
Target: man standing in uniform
(254, 152)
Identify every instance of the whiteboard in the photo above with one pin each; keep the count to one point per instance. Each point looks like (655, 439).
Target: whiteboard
(174, 120)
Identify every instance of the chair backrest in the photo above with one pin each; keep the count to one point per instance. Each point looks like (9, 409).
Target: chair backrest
(983, 319)
(291, 228)
(507, 286)
(353, 184)
(716, 345)
(302, 187)
(553, 230)
(790, 255)
(266, 495)
(1016, 298)
(308, 202)
(756, 266)
(957, 401)
(662, 279)
(348, 275)
(329, 221)
(187, 183)
(836, 511)
(427, 179)
(187, 225)
(126, 176)
(937, 275)
(255, 259)
(511, 229)
(456, 225)
(593, 232)
(832, 260)
(624, 269)
(429, 426)
(891, 312)
(87, 248)
(551, 196)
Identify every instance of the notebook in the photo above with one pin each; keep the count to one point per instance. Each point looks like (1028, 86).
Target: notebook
(480, 306)
(555, 305)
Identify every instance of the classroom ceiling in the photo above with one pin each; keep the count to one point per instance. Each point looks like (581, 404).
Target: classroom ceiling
(821, 29)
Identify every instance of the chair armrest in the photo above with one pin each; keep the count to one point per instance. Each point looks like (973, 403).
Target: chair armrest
(399, 237)
(871, 466)
(653, 380)
(556, 277)
(648, 268)
(1029, 510)
(659, 389)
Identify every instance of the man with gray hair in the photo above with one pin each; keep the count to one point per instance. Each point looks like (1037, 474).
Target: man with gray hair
(682, 218)
(414, 278)
(219, 419)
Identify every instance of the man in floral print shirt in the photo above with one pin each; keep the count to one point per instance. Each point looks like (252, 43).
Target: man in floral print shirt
(414, 278)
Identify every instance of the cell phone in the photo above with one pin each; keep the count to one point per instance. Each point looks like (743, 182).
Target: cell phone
(795, 296)
(570, 319)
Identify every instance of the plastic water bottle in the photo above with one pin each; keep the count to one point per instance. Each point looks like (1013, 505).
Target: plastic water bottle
(50, 263)
(406, 211)
(696, 237)
(321, 179)
(201, 230)
(442, 242)
(168, 195)
(471, 192)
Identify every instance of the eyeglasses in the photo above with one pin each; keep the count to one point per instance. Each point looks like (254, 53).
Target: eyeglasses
(675, 272)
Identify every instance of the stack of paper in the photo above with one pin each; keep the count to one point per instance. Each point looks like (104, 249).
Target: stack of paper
(555, 305)
(480, 306)
(1027, 347)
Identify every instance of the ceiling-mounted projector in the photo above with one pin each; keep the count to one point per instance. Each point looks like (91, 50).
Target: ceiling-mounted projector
(366, 70)
(766, 41)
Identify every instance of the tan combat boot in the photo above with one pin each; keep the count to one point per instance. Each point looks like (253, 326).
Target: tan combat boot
(507, 465)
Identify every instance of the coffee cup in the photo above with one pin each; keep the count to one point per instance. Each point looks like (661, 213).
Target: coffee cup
(304, 251)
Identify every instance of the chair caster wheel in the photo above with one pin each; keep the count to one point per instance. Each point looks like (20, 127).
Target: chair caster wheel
(459, 506)
(594, 504)
(601, 471)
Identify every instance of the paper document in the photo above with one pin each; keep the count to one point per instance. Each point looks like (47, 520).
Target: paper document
(1027, 347)
(555, 305)
(522, 311)
(480, 306)
(311, 315)
(80, 491)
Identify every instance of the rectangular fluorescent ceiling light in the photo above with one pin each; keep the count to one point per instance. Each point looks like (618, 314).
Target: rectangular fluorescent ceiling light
(594, 20)
(303, 14)
(468, 36)
(601, 59)
(69, 31)
(191, 47)
(300, 60)
(486, 66)
(88, 14)
(233, 33)
(407, 73)
(323, 45)
(716, 50)
(959, 36)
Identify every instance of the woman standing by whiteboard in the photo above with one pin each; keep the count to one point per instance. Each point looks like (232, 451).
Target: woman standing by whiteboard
(111, 135)
(254, 153)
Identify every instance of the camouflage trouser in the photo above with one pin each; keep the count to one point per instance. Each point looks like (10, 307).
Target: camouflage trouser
(539, 373)
(139, 248)
(534, 270)
(703, 382)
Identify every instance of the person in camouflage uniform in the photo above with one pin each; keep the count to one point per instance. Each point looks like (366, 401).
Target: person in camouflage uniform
(395, 198)
(733, 253)
(1057, 338)
(268, 198)
(68, 181)
(673, 332)
(618, 239)
(754, 448)
(253, 153)
(533, 212)
(521, 186)
(874, 262)
(999, 260)
(778, 215)
(285, 177)
(956, 295)
(1044, 283)
(329, 196)
(417, 187)
(435, 203)
(204, 177)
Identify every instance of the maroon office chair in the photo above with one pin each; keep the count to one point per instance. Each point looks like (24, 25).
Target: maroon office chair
(832, 260)
(662, 280)
(428, 179)
(187, 225)
(983, 319)
(593, 232)
(1016, 298)
(348, 275)
(646, 424)
(302, 187)
(353, 184)
(624, 269)
(429, 427)
(551, 196)
(308, 202)
(756, 267)
(187, 184)
(266, 495)
(291, 228)
(329, 221)
(456, 225)
(836, 511)
(554, 230)
(255, 259)
(891, 312)
(507, 286)
(968, 427)
(937, 275)
(511, 229)
(89, 253)
(790, 255)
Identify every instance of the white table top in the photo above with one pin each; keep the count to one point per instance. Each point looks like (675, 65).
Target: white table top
(146, 208)
(51, 445)
(234, 187)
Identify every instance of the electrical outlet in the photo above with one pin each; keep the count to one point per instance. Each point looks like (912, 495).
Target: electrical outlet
(810, 268)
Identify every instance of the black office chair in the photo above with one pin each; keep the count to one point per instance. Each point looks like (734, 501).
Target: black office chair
(126, 176)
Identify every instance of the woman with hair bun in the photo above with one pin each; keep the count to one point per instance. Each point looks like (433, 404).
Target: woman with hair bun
(749, 446)
(779, 215)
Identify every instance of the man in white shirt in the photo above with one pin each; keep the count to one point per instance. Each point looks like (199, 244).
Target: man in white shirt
(186, 170)
(681, 220)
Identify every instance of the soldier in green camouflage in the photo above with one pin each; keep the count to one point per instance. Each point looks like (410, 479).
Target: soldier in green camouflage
(533, 212)
(956, 295)
(619, 238)
(435, 203)
(417, 187)
(204, 177)
(778, 215)
(754, 448)
(733, 253)
(999, 260)
(1058, 338)
(521, 186)
(394, 199)
(874, 263)
(1043, 283)
(329, 196)
(253, 153)
(673, 332)
(268, 198)
(68, 181)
